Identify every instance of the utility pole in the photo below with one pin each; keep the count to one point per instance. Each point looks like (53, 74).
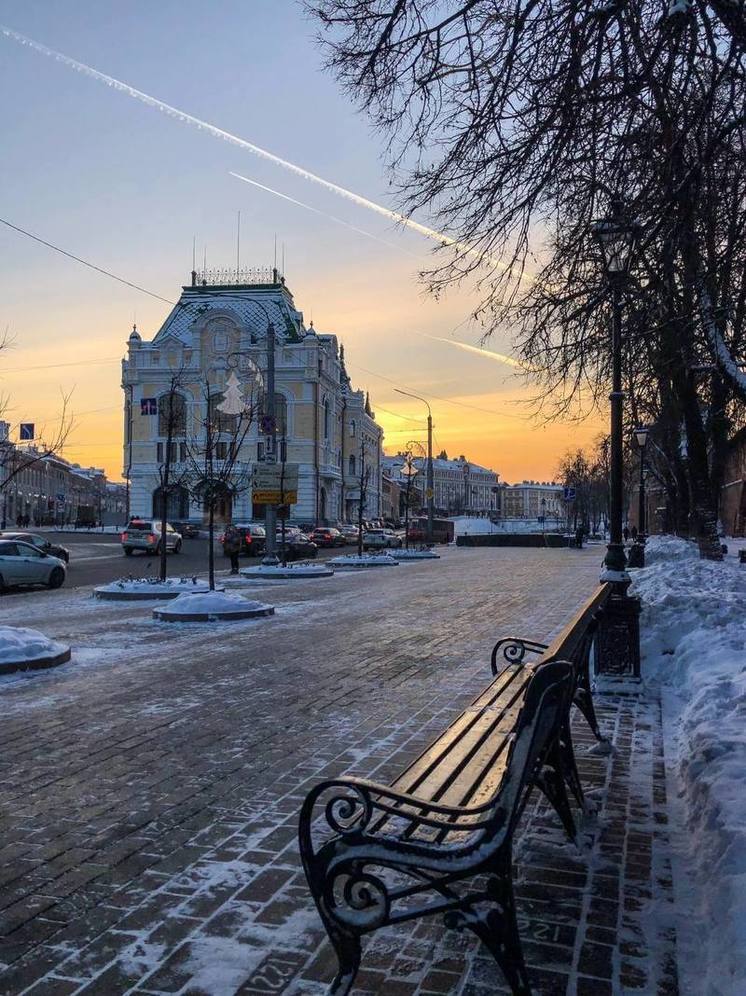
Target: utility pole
(270, 454)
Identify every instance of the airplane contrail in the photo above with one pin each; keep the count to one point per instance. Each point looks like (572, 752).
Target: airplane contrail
(324, 214)
(486, 353)
(227, 136)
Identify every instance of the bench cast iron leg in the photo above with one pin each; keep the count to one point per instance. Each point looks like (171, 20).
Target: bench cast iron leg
(584, 701)
(551, 781)
(347, 947)
(569, 766)
(497, 929)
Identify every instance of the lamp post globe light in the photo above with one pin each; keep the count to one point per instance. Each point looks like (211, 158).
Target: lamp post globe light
(637, 553)
(408, 471)
(616, 236)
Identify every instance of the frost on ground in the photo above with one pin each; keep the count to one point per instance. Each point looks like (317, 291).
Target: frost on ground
(19, 644)
(693, 640)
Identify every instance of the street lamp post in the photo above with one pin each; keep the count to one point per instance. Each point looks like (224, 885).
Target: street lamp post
(408, 471)
(637, 553)
(616, 236)
(429, 472)
(618, 641)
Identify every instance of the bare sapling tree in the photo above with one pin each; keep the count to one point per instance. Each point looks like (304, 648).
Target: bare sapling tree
(412, 452)
(217, 469)
(362, 493)
(172, 473)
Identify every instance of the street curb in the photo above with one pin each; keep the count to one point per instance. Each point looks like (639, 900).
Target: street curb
(165, 616)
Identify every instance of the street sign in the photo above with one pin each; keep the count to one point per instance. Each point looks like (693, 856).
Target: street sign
(26, 431)
(569, 494)
(273, 483)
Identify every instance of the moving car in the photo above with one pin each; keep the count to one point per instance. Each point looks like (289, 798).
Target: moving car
(187, 530)
(22, 563)
(381, 539)
(327, 536)
(40, 542)
(297, 545)
(145, 535)
(253, 539)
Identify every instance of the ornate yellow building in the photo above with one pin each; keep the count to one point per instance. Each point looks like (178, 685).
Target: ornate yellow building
(219, 326)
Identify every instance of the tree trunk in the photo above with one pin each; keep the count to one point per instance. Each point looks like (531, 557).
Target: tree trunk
(211, 546)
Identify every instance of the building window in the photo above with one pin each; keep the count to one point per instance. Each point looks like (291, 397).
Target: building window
(353, 428)
(352, 463)
(172, 413)
(221, 450)
(220, 421)
(326, 418)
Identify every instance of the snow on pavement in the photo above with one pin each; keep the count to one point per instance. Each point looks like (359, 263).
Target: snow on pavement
(693, 641)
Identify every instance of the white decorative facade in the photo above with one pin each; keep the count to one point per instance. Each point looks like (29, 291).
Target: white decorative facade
(218, 328)
(459, 486)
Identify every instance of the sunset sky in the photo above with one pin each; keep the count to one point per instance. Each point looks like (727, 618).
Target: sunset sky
(126, 187)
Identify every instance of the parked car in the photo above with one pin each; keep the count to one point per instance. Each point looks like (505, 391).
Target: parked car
(41, 543)
(297, 545)
(187, 530)
(327, 536)
(253, 539)
(22, 564)
(350, 533)
(145, 535)
(381, 539)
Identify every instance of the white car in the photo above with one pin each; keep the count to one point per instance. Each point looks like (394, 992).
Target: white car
(145, 535)
(381, 539)
(22, 563)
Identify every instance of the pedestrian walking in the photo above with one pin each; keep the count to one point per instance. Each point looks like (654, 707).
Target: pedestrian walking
(634, 534)
(232, 546)
(625, 533)
(579, 538)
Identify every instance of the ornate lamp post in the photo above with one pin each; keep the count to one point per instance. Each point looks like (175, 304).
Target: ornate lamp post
(616, 235)
(618, 640)
(408, 472)
(429, 465)
(637, 553)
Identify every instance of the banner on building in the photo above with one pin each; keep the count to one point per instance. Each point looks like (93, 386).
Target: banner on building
(148, 406)
(26, 432)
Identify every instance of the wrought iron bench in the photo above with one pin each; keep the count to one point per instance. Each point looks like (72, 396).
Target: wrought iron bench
(439, 840)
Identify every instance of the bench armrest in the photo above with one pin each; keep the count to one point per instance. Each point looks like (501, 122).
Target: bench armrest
(355, 804)
(513, 650)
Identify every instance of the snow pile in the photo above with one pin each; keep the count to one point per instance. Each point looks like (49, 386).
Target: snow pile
(693, 638)
(413, 554)
(210, 601)
(667, 548)
(466, 525)
(18, 644)
(301, 569)
(153, 587)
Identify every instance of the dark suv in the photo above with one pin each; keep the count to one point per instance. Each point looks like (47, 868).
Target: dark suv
(253, 539)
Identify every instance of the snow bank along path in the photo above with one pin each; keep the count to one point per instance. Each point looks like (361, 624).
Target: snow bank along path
(693, 640)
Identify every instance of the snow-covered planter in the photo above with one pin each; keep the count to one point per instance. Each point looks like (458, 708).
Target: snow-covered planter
(351, 561)
(24, 649)
(212, 606)
(149, 589)
(424, 554)
(693, 641)
(301, 569)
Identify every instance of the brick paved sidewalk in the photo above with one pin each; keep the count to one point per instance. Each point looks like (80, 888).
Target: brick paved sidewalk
(147, 832)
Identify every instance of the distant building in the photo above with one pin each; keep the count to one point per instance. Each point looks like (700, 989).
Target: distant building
(391, 495)
(459, 486)
(219, 327)
(52, 491)
(531, 499)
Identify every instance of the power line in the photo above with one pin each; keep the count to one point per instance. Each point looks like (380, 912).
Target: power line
(92, 266)
(54, 366)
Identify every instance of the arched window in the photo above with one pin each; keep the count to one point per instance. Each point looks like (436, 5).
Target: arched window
(172, 414)
(352, 463)
(281, 413)
(326, 418)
